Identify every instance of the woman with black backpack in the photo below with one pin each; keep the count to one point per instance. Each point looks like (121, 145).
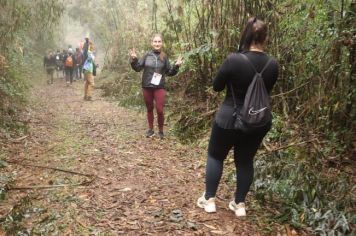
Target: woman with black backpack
(236, 74)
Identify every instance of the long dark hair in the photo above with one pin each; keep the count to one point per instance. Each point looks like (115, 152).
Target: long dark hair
(162, 55)
(255, 31)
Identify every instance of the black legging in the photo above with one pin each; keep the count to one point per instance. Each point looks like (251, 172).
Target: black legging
(245, 148)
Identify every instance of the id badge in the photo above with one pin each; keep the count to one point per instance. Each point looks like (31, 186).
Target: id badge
(156, 78)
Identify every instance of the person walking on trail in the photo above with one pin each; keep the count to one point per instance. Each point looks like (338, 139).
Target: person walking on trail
(63, 55)
(59, 63)
(155, 65)
(79, 63)
(89, 70)
(49, 63)
(85, 48)
(236, 74)
(69, 64)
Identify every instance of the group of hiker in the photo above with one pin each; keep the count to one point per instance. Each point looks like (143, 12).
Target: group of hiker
(73, 65)
(243, 119)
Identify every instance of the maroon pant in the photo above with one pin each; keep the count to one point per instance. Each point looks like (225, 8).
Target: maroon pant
(156, 95)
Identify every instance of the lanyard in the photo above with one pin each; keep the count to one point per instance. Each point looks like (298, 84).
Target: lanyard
(156, 61)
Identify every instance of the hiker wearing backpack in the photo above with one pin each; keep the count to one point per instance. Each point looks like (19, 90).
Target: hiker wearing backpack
(85, 48)
(89, 71)
(59, 63)
(69, 64)
(156, 67)
(79, 63)
(49, 63)
(63, 56)
(244, 118)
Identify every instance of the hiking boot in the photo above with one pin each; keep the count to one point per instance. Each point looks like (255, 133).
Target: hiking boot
(239, 209)
(150, 133)
(208, 205)
(161, 134)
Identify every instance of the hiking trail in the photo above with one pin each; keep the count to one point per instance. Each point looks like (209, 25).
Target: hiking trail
(121, 182)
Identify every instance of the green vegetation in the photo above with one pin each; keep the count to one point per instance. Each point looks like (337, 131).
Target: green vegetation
(306, 170)
(314, 42)
(26, 32)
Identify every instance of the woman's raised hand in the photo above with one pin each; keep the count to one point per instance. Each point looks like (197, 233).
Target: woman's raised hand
(132, 53)
(179, 61)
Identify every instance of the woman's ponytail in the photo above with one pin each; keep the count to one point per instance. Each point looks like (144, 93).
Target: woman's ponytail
(255, 31)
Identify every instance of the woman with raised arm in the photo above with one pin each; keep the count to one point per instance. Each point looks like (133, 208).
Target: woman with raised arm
(235, 74)
(156, 67)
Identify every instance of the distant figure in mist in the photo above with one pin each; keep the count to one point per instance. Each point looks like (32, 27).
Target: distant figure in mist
(79, 64)
(85, 48)
(235, 75)
(49, 63)
(89, 71)
(69, 66)
(63, 55)
(59, 63)
(156, 67)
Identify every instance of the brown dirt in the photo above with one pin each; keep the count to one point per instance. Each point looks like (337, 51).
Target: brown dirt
(139, 183)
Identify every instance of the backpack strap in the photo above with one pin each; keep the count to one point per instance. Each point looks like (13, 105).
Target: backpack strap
(265, 67)
(233, 96)
(254, 68)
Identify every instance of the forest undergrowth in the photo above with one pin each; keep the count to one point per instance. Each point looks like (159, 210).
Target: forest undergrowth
(305, 170)
(295, 172)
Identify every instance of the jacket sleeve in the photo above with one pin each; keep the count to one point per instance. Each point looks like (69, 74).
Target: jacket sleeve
(94, 69)
(171, 70)
(275, 73)
(220, 79)
(138, 64)
(74, 60)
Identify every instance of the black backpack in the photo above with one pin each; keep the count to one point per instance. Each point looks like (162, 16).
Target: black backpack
(256, 110)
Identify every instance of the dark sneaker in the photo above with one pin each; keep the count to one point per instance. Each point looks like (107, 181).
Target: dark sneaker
(161, 134)
(150, 133)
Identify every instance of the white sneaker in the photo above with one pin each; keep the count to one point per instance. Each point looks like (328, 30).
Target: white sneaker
(239, 209)
(208, 205)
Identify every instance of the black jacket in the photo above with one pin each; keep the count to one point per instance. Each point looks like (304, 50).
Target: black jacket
(150, 63)
(85, 50)
(49, 61)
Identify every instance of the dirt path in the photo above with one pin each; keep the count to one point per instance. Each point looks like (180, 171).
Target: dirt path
(139, 186)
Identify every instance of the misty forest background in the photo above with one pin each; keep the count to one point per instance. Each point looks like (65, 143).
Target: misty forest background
(306, 168)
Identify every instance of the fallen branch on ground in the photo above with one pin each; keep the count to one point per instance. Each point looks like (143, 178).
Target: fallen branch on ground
(50, 186)
(18, 139)
(51, 168)
(95, 123)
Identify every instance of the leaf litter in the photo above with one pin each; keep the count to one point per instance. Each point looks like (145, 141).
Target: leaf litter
(146, 186)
